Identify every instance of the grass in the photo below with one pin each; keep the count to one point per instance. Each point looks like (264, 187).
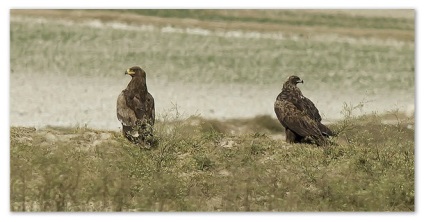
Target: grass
(87, 51)
(380, 24)
(196, 168)
(282, 17)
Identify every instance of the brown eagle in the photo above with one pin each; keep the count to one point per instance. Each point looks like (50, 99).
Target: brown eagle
(136, 109)
(299, 116)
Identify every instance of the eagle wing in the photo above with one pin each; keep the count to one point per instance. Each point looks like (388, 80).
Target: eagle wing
(313, 113)
(311, 109)
(150, 108)
(306, 106)
(294, 119)
(302, 103)
(126, 114)
(128, 107)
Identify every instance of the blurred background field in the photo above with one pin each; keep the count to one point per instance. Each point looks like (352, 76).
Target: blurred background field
(67, 65)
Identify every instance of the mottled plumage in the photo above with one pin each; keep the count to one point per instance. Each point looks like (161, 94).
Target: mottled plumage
(299, 116)
(136, 108)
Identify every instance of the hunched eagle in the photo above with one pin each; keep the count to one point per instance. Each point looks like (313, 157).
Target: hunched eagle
(299, 116)
(136, 109)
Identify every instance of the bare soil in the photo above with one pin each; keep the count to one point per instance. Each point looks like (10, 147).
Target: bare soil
(41, 100)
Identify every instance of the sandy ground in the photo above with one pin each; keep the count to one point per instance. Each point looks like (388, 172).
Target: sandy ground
(76, 101)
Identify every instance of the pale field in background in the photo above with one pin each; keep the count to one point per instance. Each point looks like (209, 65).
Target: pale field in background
(68, 72)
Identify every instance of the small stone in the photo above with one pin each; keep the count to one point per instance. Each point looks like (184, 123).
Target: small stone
(50, 137)
(227, 144)
(105, 136)
(224, 173)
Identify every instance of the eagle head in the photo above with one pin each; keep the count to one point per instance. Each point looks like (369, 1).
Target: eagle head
(294, 80)
(135, 71)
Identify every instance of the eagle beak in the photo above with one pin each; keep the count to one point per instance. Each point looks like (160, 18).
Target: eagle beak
(129, 72)
(300, 81)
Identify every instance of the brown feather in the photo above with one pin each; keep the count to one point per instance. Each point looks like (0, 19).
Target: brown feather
(136, 108)
(299, 115)
(125, 114)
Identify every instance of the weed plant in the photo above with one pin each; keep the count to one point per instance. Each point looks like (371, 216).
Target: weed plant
(197, 168)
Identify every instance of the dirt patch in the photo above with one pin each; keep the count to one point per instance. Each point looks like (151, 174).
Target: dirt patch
(41, 100)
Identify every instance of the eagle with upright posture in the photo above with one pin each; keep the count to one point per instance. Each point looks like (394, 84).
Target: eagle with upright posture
(136, 108)
(299, 116)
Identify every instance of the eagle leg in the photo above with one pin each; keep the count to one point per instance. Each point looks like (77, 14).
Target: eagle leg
(292, 137)
(320, 140)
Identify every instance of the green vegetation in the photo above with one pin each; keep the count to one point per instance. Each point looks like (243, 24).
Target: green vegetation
(282, 17)
(89, 51)
(197, 168)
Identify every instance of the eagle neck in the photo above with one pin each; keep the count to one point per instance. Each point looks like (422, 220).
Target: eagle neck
(138, 84)
(291, 88)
